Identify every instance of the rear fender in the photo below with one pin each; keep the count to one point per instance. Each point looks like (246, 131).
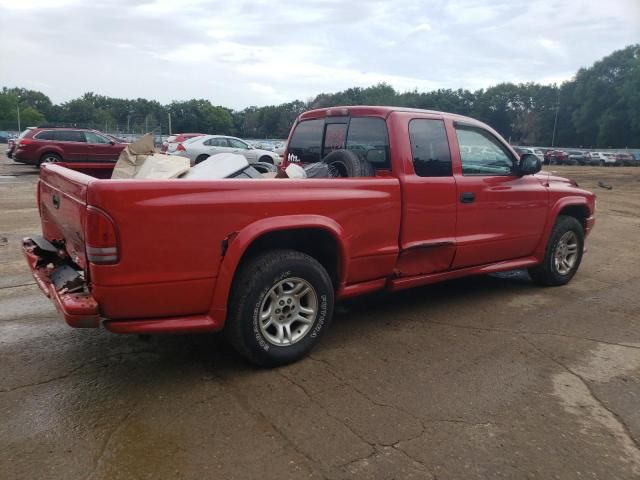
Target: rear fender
(238, 243)
(571, 201)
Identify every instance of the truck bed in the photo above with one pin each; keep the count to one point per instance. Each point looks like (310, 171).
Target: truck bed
(173, 235)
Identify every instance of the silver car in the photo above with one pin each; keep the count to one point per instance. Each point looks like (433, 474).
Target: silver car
(200, 148)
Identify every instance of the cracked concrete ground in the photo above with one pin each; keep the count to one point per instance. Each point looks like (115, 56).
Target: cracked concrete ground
(487, 377)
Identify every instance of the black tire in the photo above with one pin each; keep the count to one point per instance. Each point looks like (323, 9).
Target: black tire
(602, 163)
(201, 158)
(266, 159)
(49, 157)
(547, 272)
(264, 167)
(254, 282)
(347, 163)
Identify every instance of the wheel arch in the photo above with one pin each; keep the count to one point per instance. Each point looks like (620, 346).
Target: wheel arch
(317, 236)
(577, 207)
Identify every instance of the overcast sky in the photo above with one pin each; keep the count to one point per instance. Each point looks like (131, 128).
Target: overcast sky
(238, 53)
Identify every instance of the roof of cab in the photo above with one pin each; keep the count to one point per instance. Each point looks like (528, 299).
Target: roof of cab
(374, 110)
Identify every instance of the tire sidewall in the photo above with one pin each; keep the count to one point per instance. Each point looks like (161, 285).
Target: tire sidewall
(265, 351)
(563, 226)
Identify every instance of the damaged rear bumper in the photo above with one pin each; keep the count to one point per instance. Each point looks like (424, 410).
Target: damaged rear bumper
(79, 308)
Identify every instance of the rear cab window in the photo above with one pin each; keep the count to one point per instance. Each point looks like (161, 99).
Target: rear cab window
(312, 140)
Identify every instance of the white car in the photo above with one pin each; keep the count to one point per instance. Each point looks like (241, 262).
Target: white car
(535, 151)
(603, 158)
(200, 148)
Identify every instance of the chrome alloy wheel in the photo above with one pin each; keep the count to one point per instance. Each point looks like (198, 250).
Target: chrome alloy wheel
(566, 253)
(288, 311)
(50, 159)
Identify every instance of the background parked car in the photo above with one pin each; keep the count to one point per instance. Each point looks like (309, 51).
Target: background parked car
(200, 148)
(557, 157)
(43, 145)
(603, 159)
(171, 144)
(579, 157)
(534, 151)
(625, 159)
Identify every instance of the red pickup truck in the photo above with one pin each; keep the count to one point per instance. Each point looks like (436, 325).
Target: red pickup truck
(265, 259)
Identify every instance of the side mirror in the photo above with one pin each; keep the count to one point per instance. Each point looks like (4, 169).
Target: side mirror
(112, 142)
(529, 164)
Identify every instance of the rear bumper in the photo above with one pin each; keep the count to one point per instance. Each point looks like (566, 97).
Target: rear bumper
(79, 309)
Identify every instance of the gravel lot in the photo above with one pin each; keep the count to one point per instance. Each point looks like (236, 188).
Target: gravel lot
(487, 377)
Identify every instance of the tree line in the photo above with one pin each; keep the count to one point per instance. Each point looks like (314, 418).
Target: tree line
(599, 107)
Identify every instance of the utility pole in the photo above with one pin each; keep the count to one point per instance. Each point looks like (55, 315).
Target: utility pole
(18, 108)
(169, 123)
(555, 121)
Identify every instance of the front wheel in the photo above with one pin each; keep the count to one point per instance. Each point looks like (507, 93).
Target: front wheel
(281, 304)
(562, 255)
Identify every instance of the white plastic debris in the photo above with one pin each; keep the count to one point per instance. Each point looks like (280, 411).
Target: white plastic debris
(295, 171)
(222, 165)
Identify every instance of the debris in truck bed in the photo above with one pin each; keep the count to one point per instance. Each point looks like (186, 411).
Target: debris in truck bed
(139, 160)
(222, 165)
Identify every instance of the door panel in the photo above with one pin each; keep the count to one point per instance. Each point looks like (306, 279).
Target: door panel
(427, 238)
(501, 216)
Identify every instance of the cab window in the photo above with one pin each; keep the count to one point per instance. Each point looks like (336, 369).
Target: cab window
(481, 153)
(430, 148)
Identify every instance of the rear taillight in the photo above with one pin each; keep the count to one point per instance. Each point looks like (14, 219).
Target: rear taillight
(24, 142)
(101, 238)
(180, 148)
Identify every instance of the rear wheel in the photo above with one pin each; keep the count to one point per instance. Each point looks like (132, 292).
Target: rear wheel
(49, 158)
(562, 255)
(266, 159)
(282, 302)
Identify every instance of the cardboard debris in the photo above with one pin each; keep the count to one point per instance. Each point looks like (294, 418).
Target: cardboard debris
(160, 166)
(132, 157)
(139, 160)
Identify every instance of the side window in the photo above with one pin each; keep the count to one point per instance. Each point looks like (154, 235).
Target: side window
(216, 142)
(237, 144)
(335, 137)
(94, 138)
(69, 136)
(368, 137)
(45, 135)
(481, 153)
(430, 148)
(306, 141)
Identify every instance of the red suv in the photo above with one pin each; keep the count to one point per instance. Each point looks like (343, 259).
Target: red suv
(45, 145)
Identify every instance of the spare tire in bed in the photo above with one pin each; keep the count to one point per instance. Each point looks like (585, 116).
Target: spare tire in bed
(347, 163)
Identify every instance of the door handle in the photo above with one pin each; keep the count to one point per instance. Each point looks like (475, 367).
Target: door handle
(467, 197)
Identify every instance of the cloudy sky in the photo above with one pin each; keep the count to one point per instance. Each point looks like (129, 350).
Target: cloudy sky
(239, 53)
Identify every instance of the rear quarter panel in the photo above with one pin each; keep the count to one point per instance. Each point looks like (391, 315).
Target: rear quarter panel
(171, 232)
